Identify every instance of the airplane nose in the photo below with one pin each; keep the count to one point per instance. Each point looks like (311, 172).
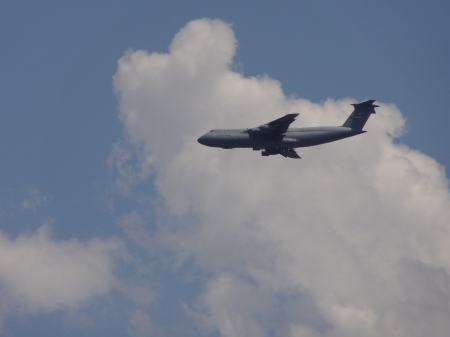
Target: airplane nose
(202, 140)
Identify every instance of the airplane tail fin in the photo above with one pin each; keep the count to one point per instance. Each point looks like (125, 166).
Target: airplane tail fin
(360, 115)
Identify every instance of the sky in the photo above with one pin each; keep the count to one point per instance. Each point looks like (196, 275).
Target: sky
(115, 221)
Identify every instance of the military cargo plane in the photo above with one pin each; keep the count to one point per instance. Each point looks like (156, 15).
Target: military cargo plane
(276, 138)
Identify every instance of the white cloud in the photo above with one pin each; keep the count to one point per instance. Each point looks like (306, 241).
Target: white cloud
(143, 326)
(35, 201)
(39, 274)
(352, 240)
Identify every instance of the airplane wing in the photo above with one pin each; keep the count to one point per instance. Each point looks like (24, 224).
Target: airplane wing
(279, 125)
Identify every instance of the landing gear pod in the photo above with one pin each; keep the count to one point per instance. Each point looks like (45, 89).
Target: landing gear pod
(286, 152)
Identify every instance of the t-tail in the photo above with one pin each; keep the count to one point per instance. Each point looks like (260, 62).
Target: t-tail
(360, 115)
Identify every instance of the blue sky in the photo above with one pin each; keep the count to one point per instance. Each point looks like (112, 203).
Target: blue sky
(59, 125)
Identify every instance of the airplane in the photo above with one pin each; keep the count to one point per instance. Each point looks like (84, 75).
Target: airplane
(276, 138)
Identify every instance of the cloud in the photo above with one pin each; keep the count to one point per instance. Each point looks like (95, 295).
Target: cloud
(142, 325)
(35, 201)
(352, 240)
(39, 274)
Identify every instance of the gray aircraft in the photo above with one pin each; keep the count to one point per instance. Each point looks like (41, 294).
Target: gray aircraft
(276, 138)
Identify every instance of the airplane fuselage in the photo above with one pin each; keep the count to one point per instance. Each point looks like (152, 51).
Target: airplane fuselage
(292, 138)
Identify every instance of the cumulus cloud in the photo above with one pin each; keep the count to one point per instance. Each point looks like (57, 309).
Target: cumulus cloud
(352, 240)
(39, 274)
